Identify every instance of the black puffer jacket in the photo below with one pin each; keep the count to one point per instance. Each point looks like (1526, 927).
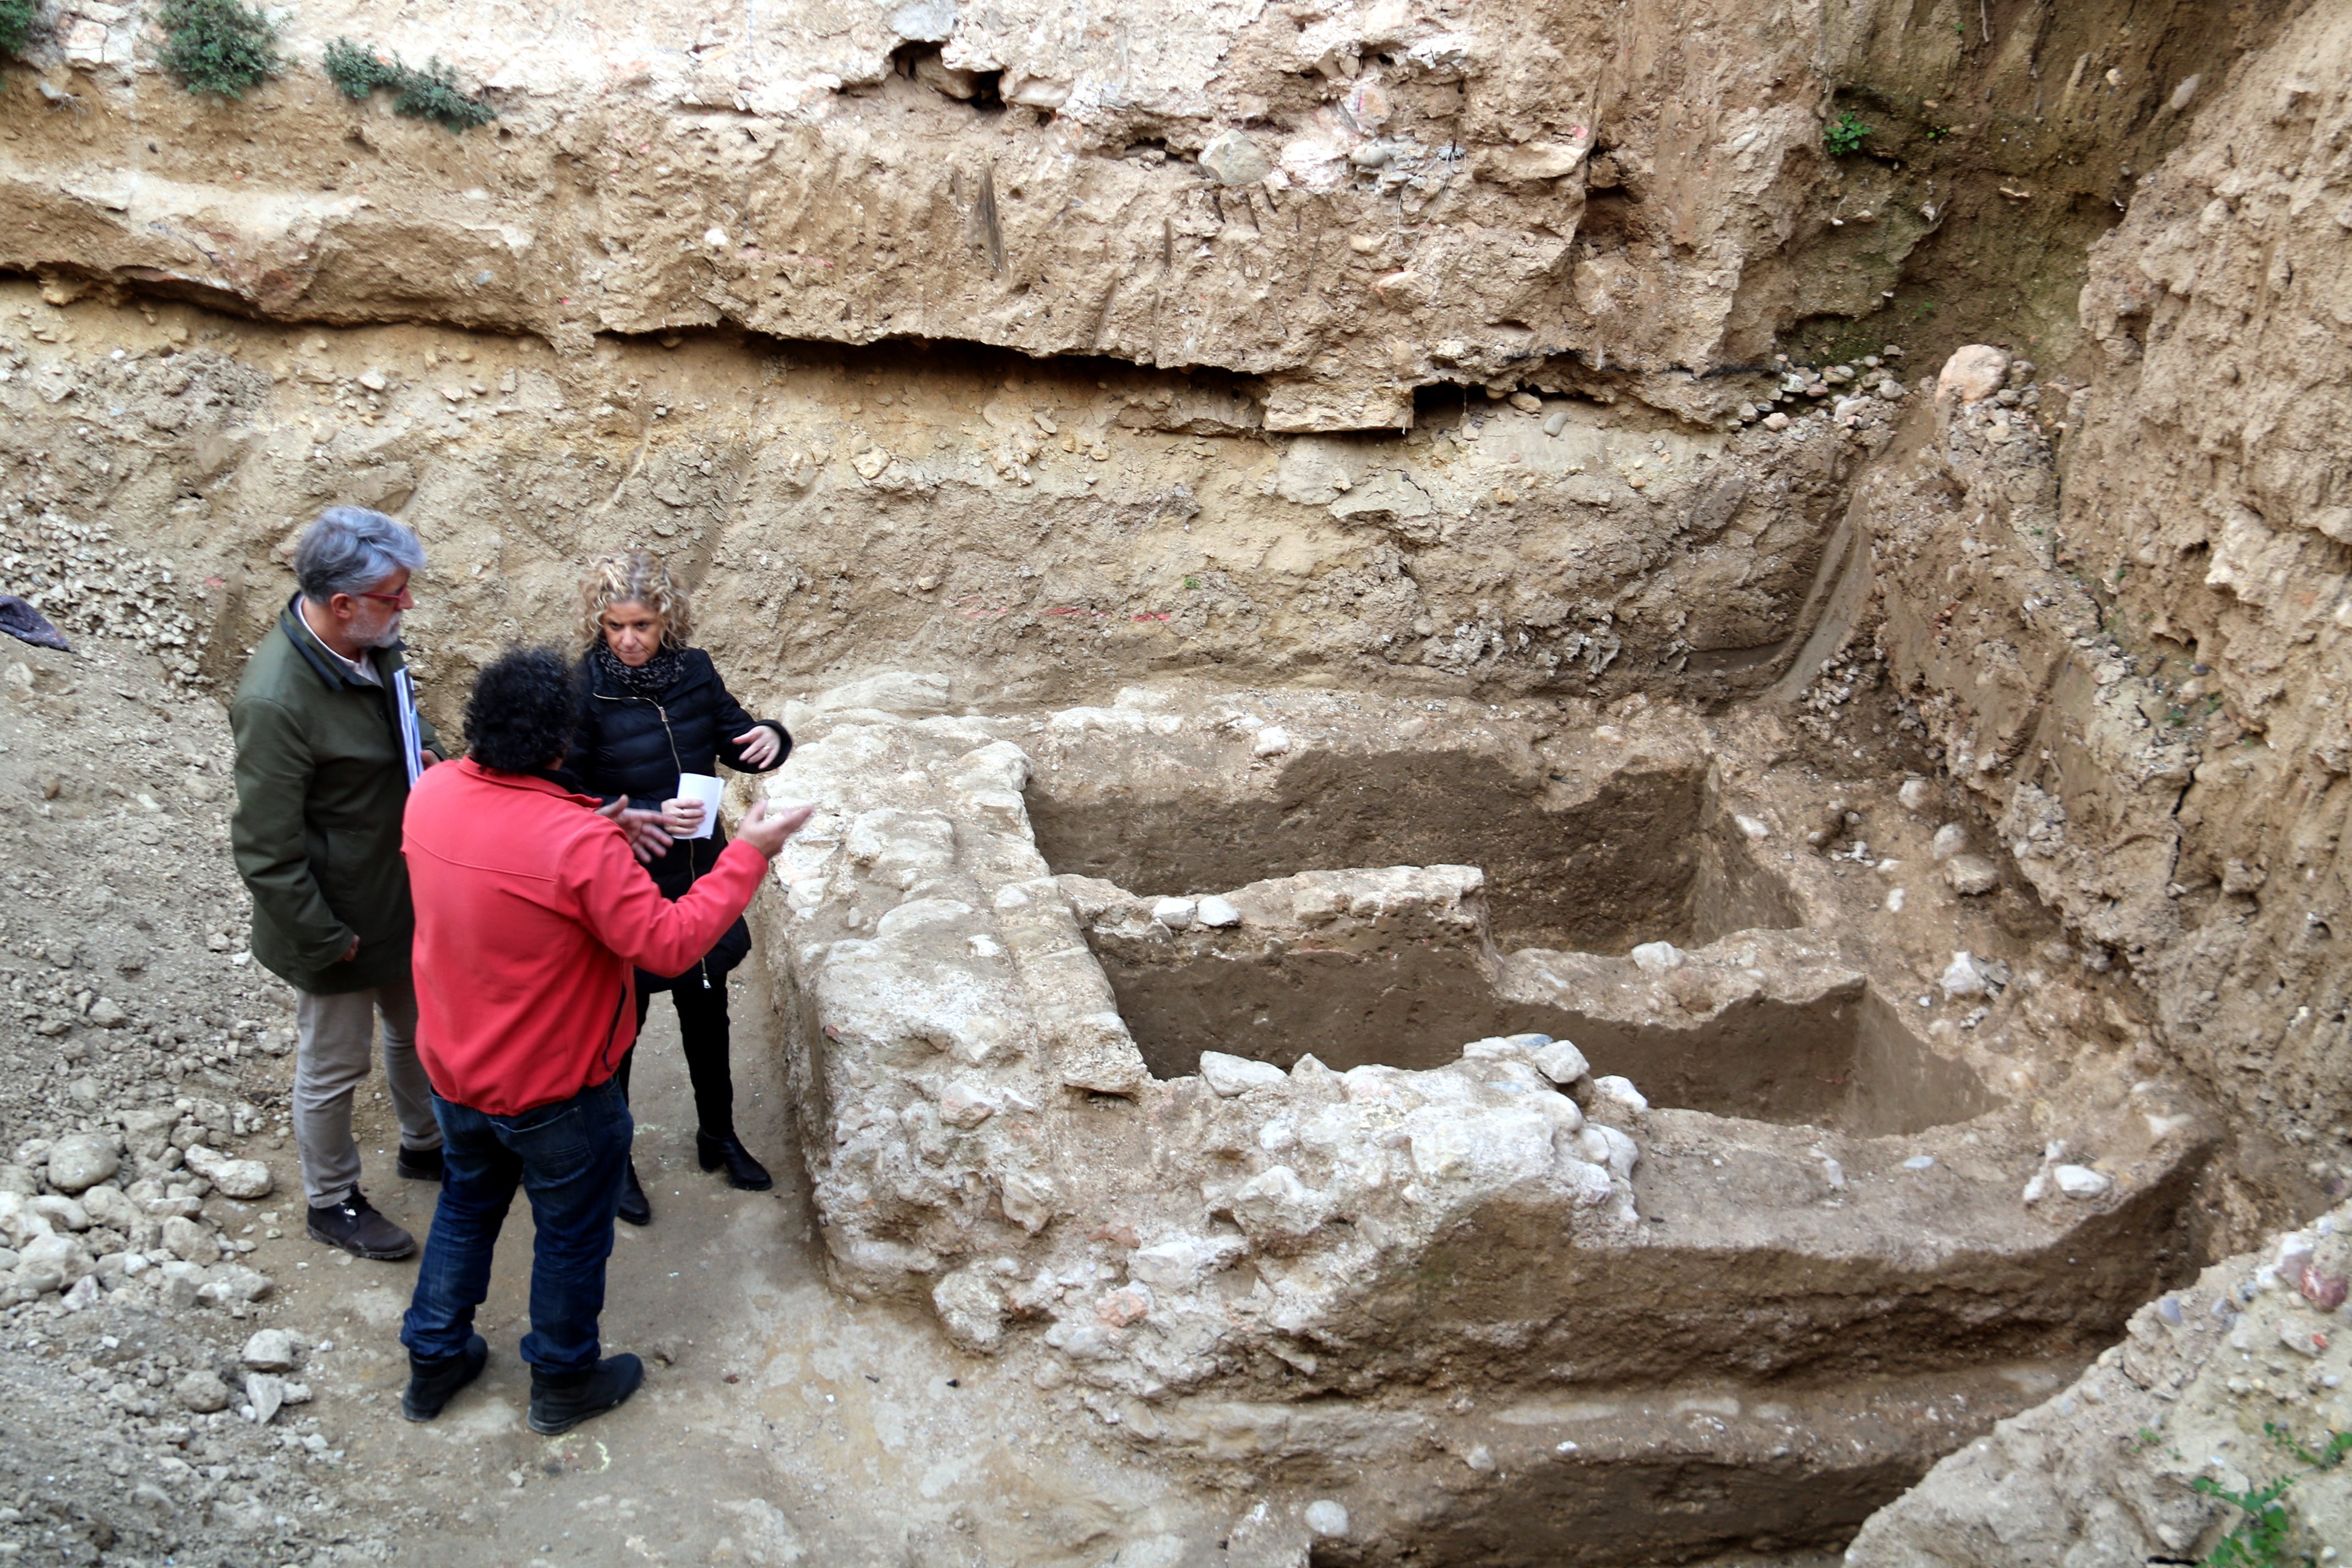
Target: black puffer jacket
(637, 746)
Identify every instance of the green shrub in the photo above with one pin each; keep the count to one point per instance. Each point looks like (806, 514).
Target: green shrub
(220, 46)
(430, 93)
(1844, 133)
(15, 24)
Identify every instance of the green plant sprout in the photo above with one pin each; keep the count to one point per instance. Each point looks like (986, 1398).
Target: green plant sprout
(1844, 134)
(430, 93)
(218, 46)
(2264, 1538)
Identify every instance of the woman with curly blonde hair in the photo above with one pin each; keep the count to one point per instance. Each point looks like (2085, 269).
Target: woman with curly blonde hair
(652, 707)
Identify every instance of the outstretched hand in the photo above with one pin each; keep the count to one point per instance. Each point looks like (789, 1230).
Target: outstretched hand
(760, 748)
(643, 828)
(765, 827)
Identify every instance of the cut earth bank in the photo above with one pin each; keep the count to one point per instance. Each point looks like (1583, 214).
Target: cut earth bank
(1943, 655)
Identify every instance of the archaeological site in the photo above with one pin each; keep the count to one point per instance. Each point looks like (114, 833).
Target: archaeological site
(1580, 769)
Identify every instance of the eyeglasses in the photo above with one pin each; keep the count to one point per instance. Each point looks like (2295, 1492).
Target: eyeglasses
(404, 600)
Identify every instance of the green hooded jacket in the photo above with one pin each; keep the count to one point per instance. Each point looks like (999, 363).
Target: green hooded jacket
(320, 789)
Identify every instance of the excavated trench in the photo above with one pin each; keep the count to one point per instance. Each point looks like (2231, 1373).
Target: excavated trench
(1553, 1016)
(1639, 861)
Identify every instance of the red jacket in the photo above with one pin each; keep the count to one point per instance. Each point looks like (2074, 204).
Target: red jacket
(531, 918)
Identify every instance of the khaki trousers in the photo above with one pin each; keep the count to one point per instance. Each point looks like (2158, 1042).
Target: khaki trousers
(333, 1036)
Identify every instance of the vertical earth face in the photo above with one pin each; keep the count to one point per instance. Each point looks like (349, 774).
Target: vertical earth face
(1579, 768)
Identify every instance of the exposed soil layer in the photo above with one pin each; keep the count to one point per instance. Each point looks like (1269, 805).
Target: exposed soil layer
(1506, 872)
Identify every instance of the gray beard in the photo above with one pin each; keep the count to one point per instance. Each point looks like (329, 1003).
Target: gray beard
(386, 638)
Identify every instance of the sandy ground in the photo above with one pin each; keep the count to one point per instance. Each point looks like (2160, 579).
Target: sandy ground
(779, 1423)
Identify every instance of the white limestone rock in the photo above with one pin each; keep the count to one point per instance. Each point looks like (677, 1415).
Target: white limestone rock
(82, 1160)
(1274, 1206)
(2080, 1181)
(971, 1309)
(1230, 1076)
(1656, 957)
(234, 1178)
(1622, 1091)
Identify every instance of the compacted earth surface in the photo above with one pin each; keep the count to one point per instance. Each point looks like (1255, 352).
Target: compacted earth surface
(1580, 770)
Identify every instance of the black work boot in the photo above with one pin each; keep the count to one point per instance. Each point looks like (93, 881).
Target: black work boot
(742, 1170)
(354, 1225)
(633, 1206)
(561, 1401)
(431, 1384)
(419, 1164)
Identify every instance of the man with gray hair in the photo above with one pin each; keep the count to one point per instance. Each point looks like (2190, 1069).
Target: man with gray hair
(327, 742)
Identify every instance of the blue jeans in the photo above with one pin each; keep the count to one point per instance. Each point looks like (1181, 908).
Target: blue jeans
(569, 1157)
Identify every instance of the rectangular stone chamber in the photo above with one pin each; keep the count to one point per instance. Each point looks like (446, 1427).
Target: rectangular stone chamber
(1639, 857)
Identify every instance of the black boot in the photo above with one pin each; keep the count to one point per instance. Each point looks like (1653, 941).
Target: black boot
(354, 1225)
(742, 1170)
(634, 1206)
(419, 1164)
(561, 1401)
(431, 1384)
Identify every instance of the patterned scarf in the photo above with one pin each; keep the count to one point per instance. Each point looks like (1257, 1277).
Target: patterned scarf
(649, 680)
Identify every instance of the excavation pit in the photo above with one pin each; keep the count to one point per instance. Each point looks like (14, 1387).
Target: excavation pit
(1387, 1180)
(1641, 855)
(1395, 968)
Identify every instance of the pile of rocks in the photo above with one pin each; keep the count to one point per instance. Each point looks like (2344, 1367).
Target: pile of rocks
(73, 1225)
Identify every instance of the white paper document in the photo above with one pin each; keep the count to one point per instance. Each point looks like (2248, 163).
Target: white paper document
(706, 789)
(404, 699)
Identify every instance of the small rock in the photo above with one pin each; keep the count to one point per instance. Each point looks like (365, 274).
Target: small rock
(1962, 978)
(1971, 875)
(1123, 1307)
(1272, 741)
(107, 1014)
(1213, 910)
(62, 1213)
(202, 1392)
(1235, 160)
(1776, 421)
(1274, 1204)
(1622, 1091)
(1656, 957)
(1834, 1173)
(2324, 1291)
(960, 1105)
(182, 1280)
(1230, 1076)
(1480, 1458)
(1972, 374)
(1527, 403)
(1920, 1162)
(1176, 914)
(263, 1395)
(1950, 840)
(270, 1349)
(1561, 1062)
(188, 1240)
(86, 1292)
(2301, 1339)
(82, 1160)
(2080, 1181)
(1327, 1518)
(234, 1178)
(234, 1282)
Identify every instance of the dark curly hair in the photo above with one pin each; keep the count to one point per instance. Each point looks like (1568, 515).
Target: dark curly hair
(518, 719)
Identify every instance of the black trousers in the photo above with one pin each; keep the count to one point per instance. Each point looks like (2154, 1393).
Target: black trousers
(702, 1027)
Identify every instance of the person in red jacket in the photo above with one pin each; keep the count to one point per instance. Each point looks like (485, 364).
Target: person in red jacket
(533, 916)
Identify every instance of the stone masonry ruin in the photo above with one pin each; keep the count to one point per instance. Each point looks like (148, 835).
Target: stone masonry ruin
(1580, 770)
